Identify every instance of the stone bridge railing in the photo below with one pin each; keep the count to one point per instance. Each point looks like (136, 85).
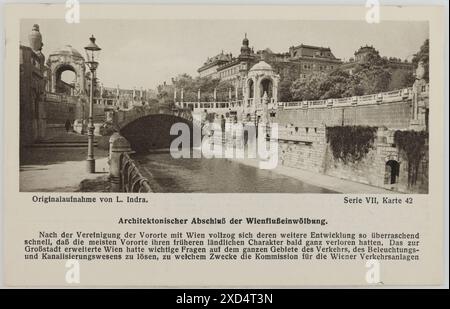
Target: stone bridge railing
(123, 117)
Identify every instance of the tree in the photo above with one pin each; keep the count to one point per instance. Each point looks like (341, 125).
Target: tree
(335, 85)
(165, 97)
(184, 81)
(401, 79)
(207, 85)
(223, 89)
(374, 80)
(373, 74)
(423, 55)
(284, 90)
(308, 88)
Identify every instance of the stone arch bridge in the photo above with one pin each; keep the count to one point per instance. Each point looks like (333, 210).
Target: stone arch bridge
(149, 128)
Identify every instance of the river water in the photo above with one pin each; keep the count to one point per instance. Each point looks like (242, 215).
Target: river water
(215, 176)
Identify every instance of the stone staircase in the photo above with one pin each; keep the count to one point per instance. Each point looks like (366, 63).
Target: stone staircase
(67, 140)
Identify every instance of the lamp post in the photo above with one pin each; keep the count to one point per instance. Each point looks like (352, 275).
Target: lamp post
(92, 52)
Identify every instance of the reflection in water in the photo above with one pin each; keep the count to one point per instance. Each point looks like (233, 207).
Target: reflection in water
(216, 176)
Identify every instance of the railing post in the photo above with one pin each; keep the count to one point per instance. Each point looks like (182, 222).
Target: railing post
(118, 146)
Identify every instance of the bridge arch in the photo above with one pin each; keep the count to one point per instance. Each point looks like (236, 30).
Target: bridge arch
(152, 130)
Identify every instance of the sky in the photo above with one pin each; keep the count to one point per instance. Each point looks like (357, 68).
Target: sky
(145, 53)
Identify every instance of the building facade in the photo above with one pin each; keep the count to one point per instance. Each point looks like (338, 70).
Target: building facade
(47, 101)
(365, 52)
(32, 88)
(299, 62)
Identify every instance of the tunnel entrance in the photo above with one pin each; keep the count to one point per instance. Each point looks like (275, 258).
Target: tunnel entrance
(392, 171)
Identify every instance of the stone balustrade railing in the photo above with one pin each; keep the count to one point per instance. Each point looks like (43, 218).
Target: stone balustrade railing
(210, 106)
(378, 98)
(55, 97)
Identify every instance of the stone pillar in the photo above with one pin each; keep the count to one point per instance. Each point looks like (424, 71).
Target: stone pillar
(256, 92)
(81, 73)
(119, 145)
(265, 103)
(275, 91)
(418, 121)
(53, 82)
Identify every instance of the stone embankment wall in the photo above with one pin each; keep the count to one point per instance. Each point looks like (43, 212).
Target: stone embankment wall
(392, 115)
(307, 148)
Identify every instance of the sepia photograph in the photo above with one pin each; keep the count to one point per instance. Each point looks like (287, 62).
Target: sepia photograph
(224, 106)
(225, 146)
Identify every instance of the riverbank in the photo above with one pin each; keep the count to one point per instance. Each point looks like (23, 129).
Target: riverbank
(337, 185)
(62, 170)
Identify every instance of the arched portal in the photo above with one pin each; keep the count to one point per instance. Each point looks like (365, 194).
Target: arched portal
(266, 87)
(261, 79)
(62, 60)
(66, 79)
(392, 172)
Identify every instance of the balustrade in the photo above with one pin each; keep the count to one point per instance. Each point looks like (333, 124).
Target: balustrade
(383, 97)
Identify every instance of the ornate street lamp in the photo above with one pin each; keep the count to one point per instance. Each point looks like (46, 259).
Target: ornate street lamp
(92, 53)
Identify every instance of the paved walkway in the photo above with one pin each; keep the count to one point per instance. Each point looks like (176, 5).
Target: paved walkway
(59, 177)
(59, 169)
(324, 181)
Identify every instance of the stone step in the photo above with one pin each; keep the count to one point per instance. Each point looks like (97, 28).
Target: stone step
(61, 145)
(65, 140)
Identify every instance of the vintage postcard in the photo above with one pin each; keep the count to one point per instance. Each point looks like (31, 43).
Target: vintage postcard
(230, 146)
